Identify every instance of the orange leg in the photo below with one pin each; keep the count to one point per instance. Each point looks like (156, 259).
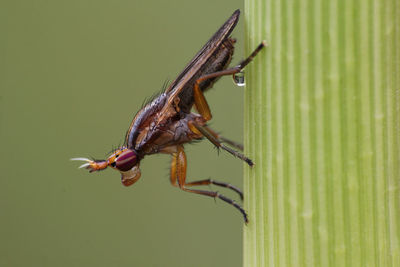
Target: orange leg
(173, 177)
(178, 174)
(199, 99)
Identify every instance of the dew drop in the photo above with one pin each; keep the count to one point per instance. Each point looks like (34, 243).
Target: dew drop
(238, 79)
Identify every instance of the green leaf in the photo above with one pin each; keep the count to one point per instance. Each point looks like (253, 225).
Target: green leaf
(322, 124)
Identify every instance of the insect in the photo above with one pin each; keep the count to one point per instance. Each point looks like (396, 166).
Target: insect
(166, 123)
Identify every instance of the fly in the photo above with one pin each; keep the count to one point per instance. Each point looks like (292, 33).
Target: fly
(167, 123)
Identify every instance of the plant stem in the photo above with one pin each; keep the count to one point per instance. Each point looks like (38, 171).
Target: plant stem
(322, 123)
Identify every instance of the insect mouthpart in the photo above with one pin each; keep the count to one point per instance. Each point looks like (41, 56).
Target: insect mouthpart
(92, 165)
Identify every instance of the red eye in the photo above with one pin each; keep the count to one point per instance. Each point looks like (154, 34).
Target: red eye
(126, 160)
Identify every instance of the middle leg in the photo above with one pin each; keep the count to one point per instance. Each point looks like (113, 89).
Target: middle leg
(223, 139)
(195, 127)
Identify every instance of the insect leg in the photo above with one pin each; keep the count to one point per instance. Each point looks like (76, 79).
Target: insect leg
(222, 184)
(173, 178)
(178, 173)
(204, 131)
(199, 99)
(201, 102)
(230, 71)
(252, 55)
(223, 139)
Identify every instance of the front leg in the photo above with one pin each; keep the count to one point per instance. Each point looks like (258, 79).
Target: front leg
(178, 175)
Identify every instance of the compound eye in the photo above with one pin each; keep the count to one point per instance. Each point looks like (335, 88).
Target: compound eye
(126, 160)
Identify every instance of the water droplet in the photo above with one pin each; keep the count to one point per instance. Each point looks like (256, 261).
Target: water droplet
(238, 79)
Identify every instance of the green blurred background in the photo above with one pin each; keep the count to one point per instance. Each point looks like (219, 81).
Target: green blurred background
(73, 74)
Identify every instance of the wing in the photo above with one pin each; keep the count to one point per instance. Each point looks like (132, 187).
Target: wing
(202, 56)
(162, 107)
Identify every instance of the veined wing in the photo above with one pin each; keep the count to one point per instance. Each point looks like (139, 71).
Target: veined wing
(202, 56)
(179, 83)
